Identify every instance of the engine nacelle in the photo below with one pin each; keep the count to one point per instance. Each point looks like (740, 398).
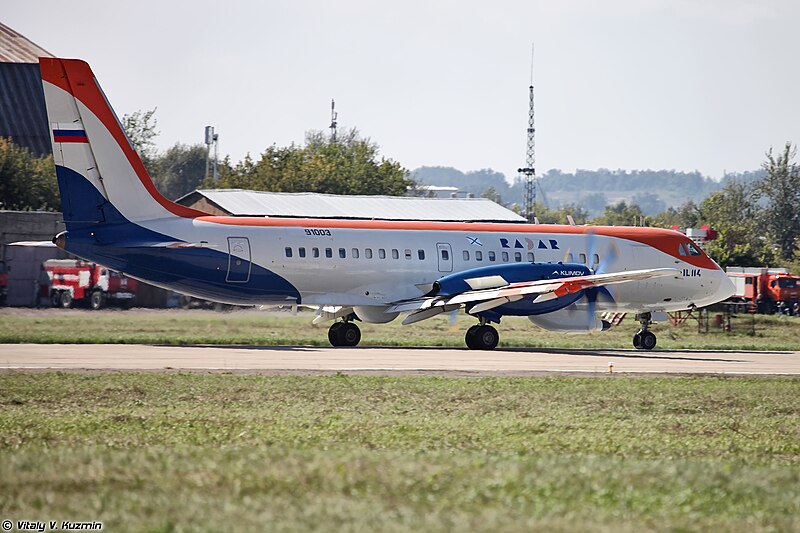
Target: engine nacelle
(492, 276)
(569, 320)
(374, 314)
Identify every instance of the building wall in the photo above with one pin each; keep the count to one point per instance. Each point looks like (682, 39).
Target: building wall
(28, 226)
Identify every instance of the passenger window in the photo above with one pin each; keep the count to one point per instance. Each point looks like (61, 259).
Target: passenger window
(342, 253)
(407, 253)
(445, 255)
(368, 253)
(381, 253)
(395, 254)
(505, 257)
(466, 255)
(492, 257)
(518, 256)
(595, 261)
(582, 259)
(301, 252)
(479, 256)
(530, 257)
(421, 255)
(569, 258)
(354, 253)
(288, 251)
(315, 252)
(328, 253)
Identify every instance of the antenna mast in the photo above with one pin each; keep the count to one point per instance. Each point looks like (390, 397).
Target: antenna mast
(530, 157)
(334, 116)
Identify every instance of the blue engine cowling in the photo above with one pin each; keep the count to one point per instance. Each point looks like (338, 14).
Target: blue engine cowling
(499, 275)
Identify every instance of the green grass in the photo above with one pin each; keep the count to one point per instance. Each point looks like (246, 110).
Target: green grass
(272, 329)
(214, 452)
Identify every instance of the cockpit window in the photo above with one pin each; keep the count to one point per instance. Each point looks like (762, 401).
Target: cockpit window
(681, 251)
(693, 249)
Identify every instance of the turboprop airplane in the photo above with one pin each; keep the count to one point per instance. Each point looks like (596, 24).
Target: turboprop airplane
(559, 277)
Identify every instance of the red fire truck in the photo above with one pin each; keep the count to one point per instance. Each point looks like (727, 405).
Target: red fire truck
(70, 281)
(764, 290)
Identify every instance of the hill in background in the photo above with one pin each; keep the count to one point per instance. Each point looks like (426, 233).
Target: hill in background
(652, 190)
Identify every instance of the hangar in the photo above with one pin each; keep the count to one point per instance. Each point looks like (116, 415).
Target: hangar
(239, 202)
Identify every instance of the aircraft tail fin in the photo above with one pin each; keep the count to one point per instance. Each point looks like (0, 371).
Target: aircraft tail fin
(100, 176)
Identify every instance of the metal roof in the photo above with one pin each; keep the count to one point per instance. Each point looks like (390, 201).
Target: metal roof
(315, 205)
(22, 112)
(23, 116)
(16, 48)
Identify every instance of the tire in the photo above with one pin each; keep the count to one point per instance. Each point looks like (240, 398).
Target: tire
(349, 334)
(66, 299)
(333, 333)
(648, 340)
(485, 338)
(637, 340)
(55, 298)
(97, 300)
(469, 337)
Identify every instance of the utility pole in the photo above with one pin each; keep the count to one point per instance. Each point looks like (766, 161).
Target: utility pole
(334, 116)
(529, 171)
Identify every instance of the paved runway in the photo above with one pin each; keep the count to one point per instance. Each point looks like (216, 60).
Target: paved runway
(302, 359)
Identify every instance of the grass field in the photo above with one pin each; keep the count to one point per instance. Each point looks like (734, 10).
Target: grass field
(251, 327)
(219, 452)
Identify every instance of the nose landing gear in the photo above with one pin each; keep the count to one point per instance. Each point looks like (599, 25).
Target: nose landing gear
(644, 339)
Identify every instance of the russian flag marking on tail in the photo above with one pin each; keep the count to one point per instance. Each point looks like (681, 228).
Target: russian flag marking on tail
(70, 136)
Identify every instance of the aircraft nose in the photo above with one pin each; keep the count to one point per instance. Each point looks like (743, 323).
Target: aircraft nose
(725, 287)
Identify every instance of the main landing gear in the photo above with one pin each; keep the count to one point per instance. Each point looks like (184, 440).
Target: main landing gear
(344, 334)
(482, 337)
(644, 339)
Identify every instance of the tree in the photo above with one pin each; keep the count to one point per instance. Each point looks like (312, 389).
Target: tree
(140, 126)
(780, 187)
(27, 182)
(349, 165)
(179, 170)
(732, 212)
(620, 214)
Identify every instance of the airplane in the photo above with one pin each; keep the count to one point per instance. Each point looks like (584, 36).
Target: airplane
(559, 277)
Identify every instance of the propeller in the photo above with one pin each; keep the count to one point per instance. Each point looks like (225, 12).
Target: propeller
(609, 257)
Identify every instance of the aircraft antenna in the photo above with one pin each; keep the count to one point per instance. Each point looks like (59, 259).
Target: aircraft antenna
(529, 171)
(334, 117)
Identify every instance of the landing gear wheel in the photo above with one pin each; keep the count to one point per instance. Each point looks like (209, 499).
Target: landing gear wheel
(344, 334)
(469, 338)
(482, 338)
(97, 300)
(637, 340)
(66, 300)
(349, 334)
(55, 298)
(648, 340)
(333, 333)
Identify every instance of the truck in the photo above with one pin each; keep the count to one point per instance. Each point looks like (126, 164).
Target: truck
(67, 282)
(764, 290)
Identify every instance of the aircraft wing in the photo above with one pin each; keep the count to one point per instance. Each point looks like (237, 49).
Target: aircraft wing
(546, 289)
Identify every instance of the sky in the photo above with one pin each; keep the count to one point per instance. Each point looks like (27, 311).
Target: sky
(705, 85)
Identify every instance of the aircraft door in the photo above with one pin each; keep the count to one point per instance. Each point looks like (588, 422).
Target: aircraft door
(238, 260)
(445, 256)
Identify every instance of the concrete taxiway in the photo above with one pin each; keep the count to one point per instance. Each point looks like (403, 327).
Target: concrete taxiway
(302, 359)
